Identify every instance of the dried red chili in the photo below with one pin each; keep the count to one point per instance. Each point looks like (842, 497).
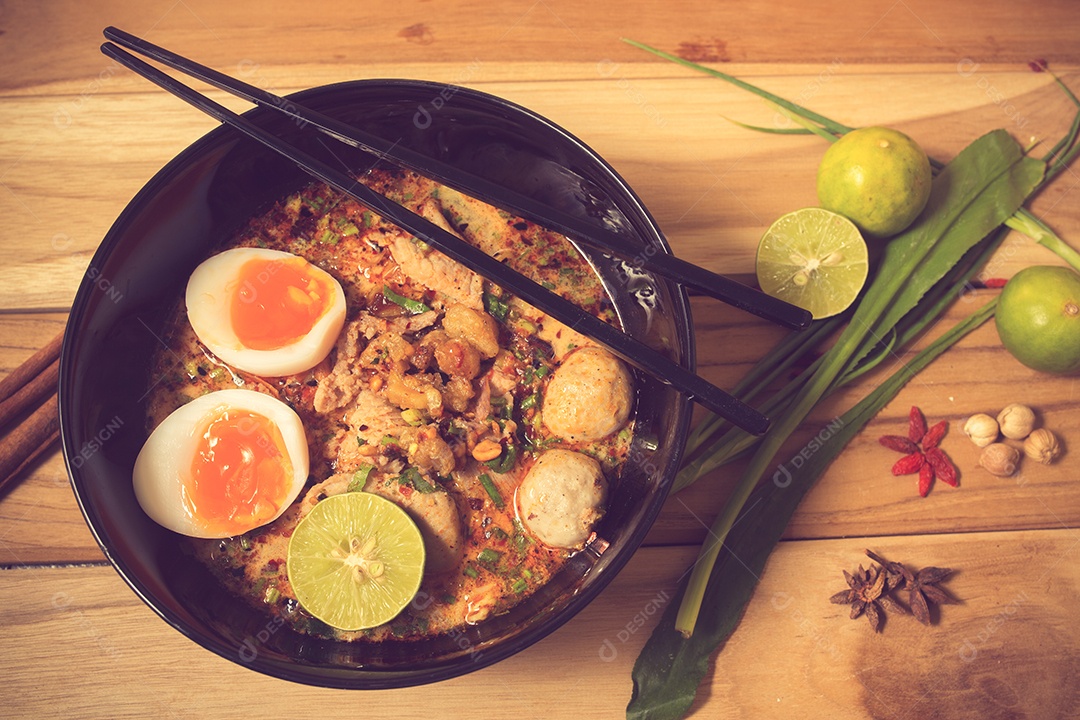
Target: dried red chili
(898, 443)
(933, 436)
(909, 464)
(926, 477)
(922, 453)
(916, 425)
(942, 465)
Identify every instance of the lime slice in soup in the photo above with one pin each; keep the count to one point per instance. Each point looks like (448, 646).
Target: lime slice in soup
(355, 561)
(813, 258)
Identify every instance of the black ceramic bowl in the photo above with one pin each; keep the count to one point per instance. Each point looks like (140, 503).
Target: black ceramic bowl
(195, 203)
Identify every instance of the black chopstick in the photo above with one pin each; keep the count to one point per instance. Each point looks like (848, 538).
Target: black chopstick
(626, 347)
(706, 281)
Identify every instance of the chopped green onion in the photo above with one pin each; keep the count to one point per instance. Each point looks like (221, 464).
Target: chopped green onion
(489, 556)
(360, 442)
(492, 491)
(360, 478)
(349, 229)
(521, 541)
(245, 544)
(328, 237)
(412, 477)
(505, 462)
(548, 285)
(413, 306)
(528, 402)
(388, 440)
(271, 595)
(412, 416)
(496, 307)
(447, 599)
(367, 218)
(542, 371)
(520, 585)
(500, 408)
(471, 571)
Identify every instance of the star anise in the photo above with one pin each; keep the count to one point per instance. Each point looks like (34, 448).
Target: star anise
(923, 589)
(894, 571)
(922, 586)
(867, 595)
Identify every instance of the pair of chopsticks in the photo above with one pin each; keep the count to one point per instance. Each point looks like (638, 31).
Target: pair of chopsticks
(31, 385)
(554, 305)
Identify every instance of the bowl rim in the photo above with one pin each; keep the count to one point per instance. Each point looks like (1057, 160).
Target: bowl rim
(363, 678)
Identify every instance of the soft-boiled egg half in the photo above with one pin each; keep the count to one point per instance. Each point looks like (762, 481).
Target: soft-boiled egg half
(266, 312)
(223, 464)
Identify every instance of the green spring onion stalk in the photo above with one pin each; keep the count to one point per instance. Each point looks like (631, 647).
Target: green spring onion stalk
(671, 666)
(415, 307)
(1040, 233)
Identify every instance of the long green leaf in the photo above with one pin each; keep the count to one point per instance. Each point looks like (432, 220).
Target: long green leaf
(772, 131)
(670, 667)
(830, 125)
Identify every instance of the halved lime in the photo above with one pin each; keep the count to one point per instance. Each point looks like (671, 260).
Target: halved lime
(355, 561)
(813, 258)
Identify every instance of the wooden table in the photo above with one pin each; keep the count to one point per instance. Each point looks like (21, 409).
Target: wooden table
(79, 137)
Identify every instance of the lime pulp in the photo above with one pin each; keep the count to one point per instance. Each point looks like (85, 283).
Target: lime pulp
(813, 258)
(355, 561)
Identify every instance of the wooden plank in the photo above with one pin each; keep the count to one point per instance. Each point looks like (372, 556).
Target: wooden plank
(66, 171)
(794, 654)
(365, 41)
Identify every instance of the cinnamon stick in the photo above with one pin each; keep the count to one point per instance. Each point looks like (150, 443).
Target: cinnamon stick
(30, 394)
(28, 440)
(31, 368)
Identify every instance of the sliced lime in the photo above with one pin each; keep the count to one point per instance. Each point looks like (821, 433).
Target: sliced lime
(355, 561)
(813, 258)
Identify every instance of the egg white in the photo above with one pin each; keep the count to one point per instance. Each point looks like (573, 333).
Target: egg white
(165, 459)
(209, 295)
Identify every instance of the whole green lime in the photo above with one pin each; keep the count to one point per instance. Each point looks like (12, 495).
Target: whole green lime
(877, 177)
(1038, 318)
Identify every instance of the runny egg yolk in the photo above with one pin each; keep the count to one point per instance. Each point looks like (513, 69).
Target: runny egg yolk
(277, 302)
(240, 472)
